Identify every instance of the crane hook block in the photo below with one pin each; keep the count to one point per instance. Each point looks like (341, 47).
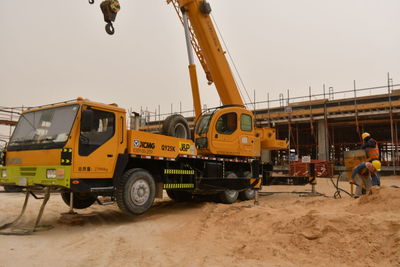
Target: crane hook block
(110, 9)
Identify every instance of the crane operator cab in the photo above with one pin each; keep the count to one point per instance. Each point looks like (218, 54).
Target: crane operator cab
(227, 131)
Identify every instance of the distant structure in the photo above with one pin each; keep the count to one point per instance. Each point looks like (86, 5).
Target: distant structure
(8, 119)
(324, 129)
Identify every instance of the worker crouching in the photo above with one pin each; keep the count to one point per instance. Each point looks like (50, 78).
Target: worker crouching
(362, 175)
(370, 145)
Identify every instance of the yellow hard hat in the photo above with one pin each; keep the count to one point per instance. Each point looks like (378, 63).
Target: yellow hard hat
(377, 165)
(365, 135)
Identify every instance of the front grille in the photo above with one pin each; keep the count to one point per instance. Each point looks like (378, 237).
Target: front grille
(28, 171)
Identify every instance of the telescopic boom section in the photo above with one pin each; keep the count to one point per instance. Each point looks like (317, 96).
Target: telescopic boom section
(198, 13)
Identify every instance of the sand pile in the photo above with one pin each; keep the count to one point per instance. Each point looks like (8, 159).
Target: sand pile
(325, 234)
(307, 231)
(382, 199)
(284, 230)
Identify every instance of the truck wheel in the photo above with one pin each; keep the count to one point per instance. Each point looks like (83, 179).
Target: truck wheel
(12, 188)
(81, 200)
(135, 191)
(229, 196)
(179, 196)
(249, 194)
(176, 126)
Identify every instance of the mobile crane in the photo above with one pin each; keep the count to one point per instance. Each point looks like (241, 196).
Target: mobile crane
(83, 149)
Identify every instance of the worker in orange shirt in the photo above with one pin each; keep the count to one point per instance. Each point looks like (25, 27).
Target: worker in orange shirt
(371, 148)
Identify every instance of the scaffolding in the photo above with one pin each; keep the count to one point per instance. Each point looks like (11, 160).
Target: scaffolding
(339, 124)
(8, 119)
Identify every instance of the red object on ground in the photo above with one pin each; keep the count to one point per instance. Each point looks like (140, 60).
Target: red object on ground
(323, 168)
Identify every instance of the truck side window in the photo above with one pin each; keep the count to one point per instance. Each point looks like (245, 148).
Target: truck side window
(227, 123)
(103, 129)
(246, 123)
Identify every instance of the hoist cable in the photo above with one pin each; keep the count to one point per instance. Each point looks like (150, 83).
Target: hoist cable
(233, 62)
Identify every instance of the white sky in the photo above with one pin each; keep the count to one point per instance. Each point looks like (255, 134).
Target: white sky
(55, 50)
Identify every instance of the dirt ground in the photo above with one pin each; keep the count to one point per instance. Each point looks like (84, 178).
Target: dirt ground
(285, 229)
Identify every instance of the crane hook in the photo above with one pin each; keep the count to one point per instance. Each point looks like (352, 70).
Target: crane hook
(110, 28)
(110, 9)
(91, 2)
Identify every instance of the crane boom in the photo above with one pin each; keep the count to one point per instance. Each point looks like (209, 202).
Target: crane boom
(215, 62)
(193, 41)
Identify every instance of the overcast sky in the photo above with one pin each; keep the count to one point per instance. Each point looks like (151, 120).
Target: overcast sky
(55, 50)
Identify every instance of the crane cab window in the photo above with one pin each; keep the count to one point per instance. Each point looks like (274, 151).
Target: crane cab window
(103, 129)
(227, 123)
(202, 126)
(246, 123)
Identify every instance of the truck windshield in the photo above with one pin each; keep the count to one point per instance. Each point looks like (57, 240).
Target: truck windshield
(202, 126)
(43, 129)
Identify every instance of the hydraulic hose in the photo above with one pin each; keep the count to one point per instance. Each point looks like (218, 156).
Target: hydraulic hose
(338, 189)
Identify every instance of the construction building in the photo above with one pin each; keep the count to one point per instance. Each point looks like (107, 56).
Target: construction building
(325, 128)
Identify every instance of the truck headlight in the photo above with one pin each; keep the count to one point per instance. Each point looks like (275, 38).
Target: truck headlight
(3, 173)
(51, 174)
(55, 173)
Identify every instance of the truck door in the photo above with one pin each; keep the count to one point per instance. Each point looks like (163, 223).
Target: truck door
(233, 133)
(249, 144)
(225, 139)
(96, 152)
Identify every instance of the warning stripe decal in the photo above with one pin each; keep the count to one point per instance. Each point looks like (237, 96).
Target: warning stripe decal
(191, 157)
(175, 171)
(178, 186)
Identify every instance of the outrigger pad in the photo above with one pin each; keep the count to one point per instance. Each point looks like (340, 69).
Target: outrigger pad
(71, 219)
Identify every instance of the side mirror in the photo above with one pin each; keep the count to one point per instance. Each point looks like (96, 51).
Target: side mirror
(87, 120)
(3, 153)
(2, 158)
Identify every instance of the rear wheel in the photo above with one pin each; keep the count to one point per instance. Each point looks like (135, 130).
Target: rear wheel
(249, 194)
(179, 196)
(229, 196)
(176, 126)
(81, 200)
(135, 191)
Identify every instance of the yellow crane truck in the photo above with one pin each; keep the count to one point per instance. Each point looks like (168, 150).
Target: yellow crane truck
(84, 149)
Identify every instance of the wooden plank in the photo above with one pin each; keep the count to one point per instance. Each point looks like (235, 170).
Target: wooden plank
(8, 122)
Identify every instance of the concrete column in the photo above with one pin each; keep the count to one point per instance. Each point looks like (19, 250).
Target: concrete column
(322, 141)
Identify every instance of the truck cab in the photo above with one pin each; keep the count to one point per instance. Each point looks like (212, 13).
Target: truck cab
(47, 138)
